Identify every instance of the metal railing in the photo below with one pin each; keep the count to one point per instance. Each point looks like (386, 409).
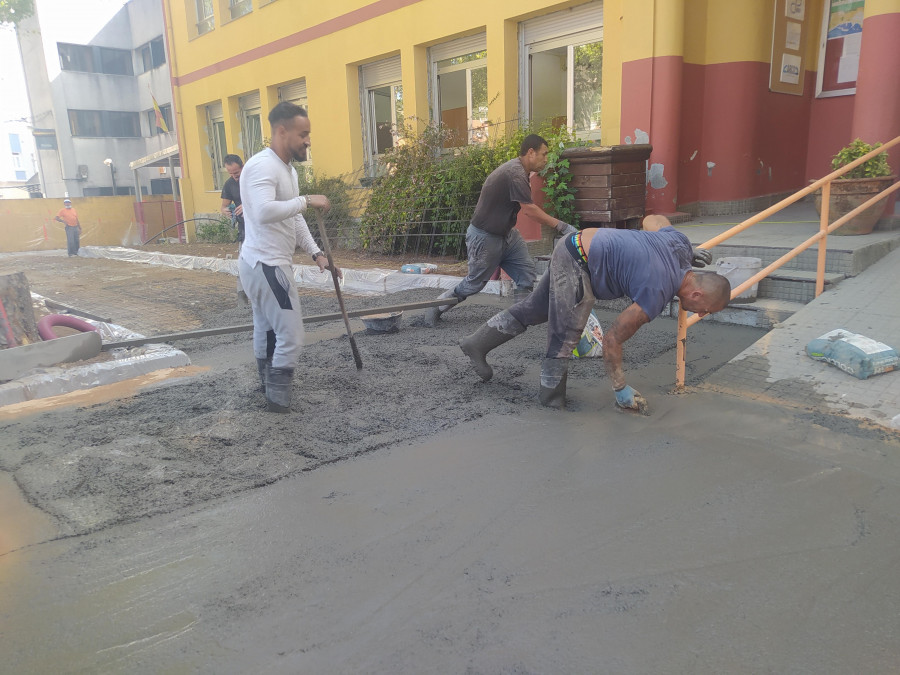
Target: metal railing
(684, 321)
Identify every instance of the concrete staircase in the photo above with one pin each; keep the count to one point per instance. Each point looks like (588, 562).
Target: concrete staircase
(793, 285)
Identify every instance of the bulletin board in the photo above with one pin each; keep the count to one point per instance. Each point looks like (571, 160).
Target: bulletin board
(790, 31)
(842, 28)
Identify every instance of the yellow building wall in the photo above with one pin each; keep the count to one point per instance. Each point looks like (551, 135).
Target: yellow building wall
(203, 73)
(326, 42)
(29, 225)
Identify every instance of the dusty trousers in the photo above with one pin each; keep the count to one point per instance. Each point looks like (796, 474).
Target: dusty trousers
(563, 298)
(276, 307)
(73, 239)
(487, 252)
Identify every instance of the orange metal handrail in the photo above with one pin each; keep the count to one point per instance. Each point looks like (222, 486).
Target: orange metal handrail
(684, 321)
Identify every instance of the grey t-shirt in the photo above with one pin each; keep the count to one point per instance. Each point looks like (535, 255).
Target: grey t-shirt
(504, 190)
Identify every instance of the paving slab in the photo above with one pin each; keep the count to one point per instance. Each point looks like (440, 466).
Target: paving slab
(777, 367)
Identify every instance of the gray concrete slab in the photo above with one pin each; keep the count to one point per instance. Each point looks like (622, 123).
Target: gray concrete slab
(698, 541)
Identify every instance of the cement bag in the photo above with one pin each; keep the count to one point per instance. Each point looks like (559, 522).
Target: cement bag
(591, 342)
(855, 354)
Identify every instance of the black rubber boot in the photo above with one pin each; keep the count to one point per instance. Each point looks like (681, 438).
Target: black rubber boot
(433, 314)
(477, 345)
(278, 389)
(554, 373)
(263, 365)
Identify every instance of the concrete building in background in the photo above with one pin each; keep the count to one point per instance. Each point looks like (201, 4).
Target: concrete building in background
(92, 78)
(743, 101)
(17, 161)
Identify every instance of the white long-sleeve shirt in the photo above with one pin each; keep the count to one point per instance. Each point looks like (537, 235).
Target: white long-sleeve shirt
(273, 223)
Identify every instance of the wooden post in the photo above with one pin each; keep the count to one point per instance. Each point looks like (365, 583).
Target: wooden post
(17, 325)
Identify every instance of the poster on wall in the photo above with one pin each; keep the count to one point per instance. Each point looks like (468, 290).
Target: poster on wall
(787, 67)
(842, 27)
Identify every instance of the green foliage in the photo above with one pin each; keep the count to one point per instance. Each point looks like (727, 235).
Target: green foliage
(873, 168)
(426, 197)
(337, 191)
(13, 11)
(217, 231)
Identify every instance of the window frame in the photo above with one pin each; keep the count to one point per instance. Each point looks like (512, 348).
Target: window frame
(448, 51)
(103, 120)
(205, 19)
(239, 8)
(371, 156)
(165, 110)
(582, 25)
(218, 143)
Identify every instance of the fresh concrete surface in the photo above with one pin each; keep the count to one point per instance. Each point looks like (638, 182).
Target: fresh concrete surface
(717, 536)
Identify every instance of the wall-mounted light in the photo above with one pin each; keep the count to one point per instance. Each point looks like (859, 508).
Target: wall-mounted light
(112, 174)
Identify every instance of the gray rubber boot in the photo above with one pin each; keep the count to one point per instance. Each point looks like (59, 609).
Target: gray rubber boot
(522, 292)
(499, 329)
(433, 314)
(554, 373)
(262, 366)
(278, 389)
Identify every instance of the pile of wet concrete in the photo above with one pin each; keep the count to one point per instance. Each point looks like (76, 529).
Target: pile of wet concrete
(188, 441)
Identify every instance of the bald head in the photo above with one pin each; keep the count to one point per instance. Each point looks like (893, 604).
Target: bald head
(704, 293)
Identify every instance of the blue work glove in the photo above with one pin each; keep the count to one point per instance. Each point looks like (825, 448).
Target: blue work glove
(701, 257)
(630, 399)
(565, 229)
(625, 397)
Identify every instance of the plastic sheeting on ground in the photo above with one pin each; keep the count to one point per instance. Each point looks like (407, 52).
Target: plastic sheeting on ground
(360, 282)
(123, 363)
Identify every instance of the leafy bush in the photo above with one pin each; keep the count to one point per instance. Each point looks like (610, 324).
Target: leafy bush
(427, 195)
(873, 168)
(337, 191)
(217, 231)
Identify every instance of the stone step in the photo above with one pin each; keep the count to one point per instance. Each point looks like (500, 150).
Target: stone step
(847, 259)
(794, 285)
(763, 313)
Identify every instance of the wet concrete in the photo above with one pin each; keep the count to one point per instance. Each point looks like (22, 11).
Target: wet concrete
(409, 518)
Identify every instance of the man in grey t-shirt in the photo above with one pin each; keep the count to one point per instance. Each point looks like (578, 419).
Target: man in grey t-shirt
(492, 240)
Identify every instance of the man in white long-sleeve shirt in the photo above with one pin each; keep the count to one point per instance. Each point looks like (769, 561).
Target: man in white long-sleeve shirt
(273, 227)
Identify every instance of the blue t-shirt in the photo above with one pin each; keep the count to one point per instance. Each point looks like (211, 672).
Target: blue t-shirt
(648, 267)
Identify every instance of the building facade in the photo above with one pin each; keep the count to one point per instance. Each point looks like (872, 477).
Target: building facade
(743, 100)
(100, 95)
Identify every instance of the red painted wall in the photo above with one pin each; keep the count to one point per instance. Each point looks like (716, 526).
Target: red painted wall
(830, 120)
(757, 139)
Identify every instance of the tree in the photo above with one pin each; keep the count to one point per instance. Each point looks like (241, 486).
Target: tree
(13, 11)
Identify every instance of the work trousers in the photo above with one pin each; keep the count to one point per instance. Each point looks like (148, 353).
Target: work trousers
(564, 298)
(276, 307)
(73, 239)
(487, 252)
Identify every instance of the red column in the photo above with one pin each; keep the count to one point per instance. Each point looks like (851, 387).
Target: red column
(876, 109)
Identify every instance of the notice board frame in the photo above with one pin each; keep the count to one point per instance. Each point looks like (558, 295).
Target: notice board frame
(790, 32)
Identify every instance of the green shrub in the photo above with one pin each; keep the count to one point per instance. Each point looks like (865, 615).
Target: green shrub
(217, 231)
(338, 193)
(873, 168)
(426, 197)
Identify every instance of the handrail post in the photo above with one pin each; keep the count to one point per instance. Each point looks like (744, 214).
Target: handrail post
(823, 242)
(680, 355)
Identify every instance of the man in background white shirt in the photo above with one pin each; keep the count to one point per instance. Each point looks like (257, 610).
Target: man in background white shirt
(273, 227)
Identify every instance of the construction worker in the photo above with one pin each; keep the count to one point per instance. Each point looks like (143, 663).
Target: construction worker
(650, 267)
(492, 240)
(69, 217)
(274, 227)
